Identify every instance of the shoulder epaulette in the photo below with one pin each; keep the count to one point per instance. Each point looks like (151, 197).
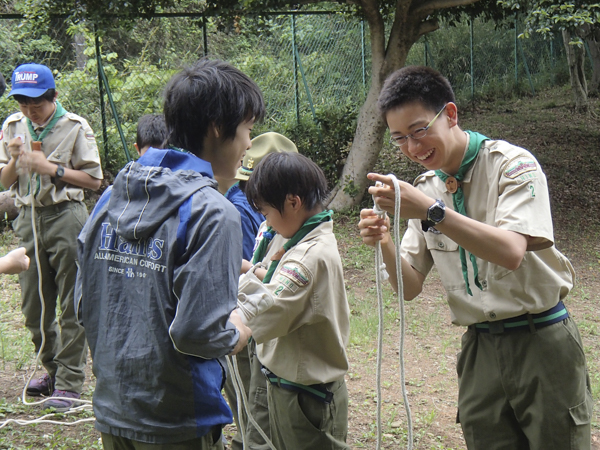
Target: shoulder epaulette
(16, 117)
(421, 178)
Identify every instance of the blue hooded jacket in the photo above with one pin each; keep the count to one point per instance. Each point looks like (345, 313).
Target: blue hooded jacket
(159, 262)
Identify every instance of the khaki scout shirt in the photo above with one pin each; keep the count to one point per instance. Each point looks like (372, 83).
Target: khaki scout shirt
(70, 143)
(505, 188)
(303, 336)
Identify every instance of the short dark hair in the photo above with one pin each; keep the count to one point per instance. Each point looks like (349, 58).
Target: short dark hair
(211, 92)
(48, 96)
(415, 84)
(151, 131)
(281, 174)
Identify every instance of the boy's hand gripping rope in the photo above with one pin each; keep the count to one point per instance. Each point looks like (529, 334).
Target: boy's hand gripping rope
(382, 275)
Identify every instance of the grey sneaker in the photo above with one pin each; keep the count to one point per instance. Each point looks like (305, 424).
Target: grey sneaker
(44, 385)
(61, 405)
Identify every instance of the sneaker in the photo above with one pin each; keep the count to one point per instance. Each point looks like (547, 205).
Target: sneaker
(44, 385)
(61, 405)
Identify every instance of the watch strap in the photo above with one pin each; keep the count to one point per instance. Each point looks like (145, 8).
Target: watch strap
(60, 171)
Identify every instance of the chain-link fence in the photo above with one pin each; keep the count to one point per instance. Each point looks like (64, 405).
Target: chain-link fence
(304, 63)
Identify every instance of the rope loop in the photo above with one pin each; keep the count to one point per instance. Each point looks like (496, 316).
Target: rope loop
(381, 275)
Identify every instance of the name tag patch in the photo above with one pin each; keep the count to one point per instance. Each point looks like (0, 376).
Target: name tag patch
(519, 166)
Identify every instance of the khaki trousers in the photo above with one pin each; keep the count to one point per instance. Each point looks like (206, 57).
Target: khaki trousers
(57, 227)
(210, 441)
(525, 390)
(301, 422)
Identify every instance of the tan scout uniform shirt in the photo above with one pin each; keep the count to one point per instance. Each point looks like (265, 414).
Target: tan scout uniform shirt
(303, 337)
(70, 143)
(505, 188)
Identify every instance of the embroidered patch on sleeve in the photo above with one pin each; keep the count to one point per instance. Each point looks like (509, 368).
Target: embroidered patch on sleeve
(296, 273)
(519, 166)
(285, 282)
(89, 134)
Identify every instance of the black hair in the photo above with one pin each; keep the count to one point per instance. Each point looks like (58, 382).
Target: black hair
(2, 84)
(152, 131)
(281, 174)
(211, 92)
(415, 84)
(48, 96)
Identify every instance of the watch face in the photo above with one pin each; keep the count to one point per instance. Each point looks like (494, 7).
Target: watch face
(436, 212)
(60, 171)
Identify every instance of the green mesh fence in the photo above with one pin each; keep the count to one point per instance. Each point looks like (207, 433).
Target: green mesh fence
(304, 63)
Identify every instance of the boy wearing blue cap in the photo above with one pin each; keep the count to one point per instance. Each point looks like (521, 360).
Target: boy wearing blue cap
(47, 157)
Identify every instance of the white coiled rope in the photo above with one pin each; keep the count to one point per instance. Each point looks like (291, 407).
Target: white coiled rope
(86, 405)
(381, 276)
(242, 400)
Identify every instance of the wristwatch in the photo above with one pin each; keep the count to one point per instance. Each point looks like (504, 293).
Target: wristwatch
(60, 171)
(435, 214)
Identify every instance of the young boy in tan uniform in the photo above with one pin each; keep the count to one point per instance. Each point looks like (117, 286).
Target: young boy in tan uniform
(253, 381)
(302, 321)
(52, 180)
(481, 214)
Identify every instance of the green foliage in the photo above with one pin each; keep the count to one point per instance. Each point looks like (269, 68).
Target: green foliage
(328, 141)
(105, 15)
(547, 17)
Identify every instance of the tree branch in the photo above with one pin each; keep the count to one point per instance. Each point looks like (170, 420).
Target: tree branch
(376, 30)
(424, 8)
(427, 27)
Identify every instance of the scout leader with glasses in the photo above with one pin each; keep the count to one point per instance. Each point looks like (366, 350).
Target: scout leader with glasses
(481, 214)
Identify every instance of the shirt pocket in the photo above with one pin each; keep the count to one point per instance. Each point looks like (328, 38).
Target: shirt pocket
(444, 252)
(440, 242)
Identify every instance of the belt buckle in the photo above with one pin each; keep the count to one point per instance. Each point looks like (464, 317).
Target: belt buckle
(497, 327)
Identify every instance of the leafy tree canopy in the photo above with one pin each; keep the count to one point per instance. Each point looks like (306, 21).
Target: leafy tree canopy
(550, 16)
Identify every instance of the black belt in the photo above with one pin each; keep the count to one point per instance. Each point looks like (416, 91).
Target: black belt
(318, 391)
(529, 322)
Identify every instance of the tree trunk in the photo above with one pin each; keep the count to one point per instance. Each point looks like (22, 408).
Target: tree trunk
(8, 210)
(363, 154)
(576, 61)
(371, 126)
(593, 42)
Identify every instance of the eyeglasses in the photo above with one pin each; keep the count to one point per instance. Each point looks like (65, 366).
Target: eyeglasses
(419, 133)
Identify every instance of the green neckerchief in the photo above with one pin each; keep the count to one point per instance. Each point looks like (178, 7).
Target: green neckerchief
(308, 226)
(60, 111)
(458, 200)
(263, 245)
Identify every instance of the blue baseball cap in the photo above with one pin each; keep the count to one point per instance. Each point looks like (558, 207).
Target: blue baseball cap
(31, 80)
